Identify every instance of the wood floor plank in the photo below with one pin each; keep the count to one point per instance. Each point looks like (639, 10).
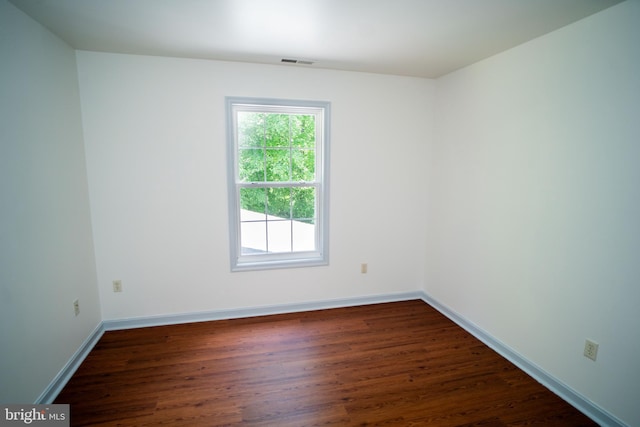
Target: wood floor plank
(397, 364)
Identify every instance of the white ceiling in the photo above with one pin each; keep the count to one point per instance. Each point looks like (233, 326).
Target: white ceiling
(423, 38)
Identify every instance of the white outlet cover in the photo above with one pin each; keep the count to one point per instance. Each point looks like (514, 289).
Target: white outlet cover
(590, 349)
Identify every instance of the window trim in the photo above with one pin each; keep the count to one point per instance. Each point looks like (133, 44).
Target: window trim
(319, 257)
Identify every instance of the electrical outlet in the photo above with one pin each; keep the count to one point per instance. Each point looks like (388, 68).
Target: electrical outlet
(590, 349)
(76, 307)
(363, 268)
(117, 286)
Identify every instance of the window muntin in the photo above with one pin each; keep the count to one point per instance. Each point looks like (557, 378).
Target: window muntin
(278, 175)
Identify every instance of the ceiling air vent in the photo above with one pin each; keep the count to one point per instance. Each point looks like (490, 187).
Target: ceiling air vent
(297, 61)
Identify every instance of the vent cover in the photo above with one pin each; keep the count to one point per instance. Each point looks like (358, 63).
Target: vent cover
(297, 61)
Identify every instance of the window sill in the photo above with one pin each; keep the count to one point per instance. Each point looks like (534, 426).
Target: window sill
(256, 265)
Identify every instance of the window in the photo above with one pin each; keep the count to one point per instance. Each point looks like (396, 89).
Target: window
(278, 182)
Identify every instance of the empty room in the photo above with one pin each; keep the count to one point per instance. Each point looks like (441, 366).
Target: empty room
(308, 212)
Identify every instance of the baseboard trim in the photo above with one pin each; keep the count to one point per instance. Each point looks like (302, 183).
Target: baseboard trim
(205, 316)
(589, 408)
(574, 398)
(65, 374)
(55, 387)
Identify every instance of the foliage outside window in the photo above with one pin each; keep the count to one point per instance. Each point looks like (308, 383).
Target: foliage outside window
(278, 176)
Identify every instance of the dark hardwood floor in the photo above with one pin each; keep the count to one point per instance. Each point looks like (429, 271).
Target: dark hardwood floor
(394, 364)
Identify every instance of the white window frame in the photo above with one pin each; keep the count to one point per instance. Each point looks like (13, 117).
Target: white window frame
(319, 256)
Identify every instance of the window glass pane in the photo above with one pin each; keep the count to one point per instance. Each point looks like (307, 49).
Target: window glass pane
(252, 200)
(278, 164)
(279, 236)
(251, 165)
(304, 236)
(250, 129)
(303, 203)
(278, 202)
(277, 130)
(303, 131)
(253, 237)
(303, 165)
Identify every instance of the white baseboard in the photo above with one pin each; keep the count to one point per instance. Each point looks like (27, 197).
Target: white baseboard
(574, 398)
(205, 316)
(55, 387)
(589, 408)
(65, 374)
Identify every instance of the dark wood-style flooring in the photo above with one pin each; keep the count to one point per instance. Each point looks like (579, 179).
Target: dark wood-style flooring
(393, 364)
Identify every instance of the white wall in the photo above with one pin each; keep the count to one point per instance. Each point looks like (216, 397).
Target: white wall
(534, 207)
(155, 146)
(46, 248)
(532, 189)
